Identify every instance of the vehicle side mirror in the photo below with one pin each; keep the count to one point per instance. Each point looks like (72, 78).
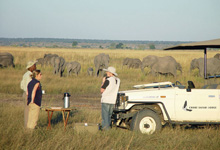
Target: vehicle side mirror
(190, 86)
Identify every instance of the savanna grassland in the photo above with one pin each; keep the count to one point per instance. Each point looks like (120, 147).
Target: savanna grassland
(85, 96)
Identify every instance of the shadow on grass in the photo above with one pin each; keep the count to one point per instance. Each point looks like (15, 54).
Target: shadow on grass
(193, 127)
(57, 117)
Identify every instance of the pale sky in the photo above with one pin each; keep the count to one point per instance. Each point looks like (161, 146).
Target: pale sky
(154, 20)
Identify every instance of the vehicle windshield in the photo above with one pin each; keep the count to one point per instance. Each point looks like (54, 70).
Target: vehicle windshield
(158, 86)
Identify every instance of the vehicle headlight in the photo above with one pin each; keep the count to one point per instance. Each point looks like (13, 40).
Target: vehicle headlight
(121, 101)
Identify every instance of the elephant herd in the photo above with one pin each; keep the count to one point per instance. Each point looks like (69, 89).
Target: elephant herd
(101, 61)
(159, 65)
(59, 64)
(166, 65)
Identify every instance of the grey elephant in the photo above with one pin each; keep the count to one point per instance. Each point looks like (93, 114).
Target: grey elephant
(166, 66)
(58, 65)
(90, 71)
(126, 61)
(52, 60)
(217, 56)
(62, 66)
(132, 62)
(48, 57)
(148, 61)
(161, 65)
(6, 60)
(101, 61)
(213, 66)
(73, 67)
(40, 61)
(135, 63)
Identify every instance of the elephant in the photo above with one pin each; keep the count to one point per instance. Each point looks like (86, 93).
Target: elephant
(148, 61)
(213, 66)
(59, 65)
(6, 59)
(132, 62)
(48, 57)
(62, 66)
(40, 61)
(126, 61)
(90, 71)
(73, 67)
(217, 56)
(135, 63)
(101, 61)
(166, 65)
(52, 60)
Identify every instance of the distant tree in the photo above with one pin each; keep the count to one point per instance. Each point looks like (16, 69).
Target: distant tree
(152, 46)
(119, 46)
(100, 46)
(74, 44)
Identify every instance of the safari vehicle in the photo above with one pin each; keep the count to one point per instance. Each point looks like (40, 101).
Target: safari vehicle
(150, 106)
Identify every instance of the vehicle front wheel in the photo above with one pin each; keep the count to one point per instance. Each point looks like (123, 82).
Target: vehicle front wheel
(146, 121)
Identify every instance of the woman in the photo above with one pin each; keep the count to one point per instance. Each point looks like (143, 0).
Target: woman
(34, 94)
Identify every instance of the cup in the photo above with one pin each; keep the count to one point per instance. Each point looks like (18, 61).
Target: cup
(43, 91)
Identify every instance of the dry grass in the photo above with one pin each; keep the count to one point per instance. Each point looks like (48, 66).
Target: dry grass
(13, 136)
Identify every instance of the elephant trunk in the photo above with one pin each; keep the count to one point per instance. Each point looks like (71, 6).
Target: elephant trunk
(142, 68)
(179, 67)
(191, 68)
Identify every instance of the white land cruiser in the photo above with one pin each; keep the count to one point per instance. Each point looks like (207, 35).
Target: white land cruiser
(150, 106)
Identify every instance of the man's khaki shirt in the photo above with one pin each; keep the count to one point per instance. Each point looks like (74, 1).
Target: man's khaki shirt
(25, 80)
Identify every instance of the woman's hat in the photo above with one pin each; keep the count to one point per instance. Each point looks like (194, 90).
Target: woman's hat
(30, 63)
(112, 70)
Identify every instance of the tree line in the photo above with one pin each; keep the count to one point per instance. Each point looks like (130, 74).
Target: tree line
(86, 43)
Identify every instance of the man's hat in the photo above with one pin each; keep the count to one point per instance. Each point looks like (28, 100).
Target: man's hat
(30, 63)
(112, 70)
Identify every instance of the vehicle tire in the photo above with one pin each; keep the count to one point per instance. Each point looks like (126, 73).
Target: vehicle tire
(146, 121)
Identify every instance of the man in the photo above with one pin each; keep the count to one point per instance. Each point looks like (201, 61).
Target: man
(31, 66)
(109, 92)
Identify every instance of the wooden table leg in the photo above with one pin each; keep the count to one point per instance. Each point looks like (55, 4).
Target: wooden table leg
(49, 119)
(65, 120)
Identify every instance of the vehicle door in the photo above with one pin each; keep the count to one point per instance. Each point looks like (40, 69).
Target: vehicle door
(199, 105)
